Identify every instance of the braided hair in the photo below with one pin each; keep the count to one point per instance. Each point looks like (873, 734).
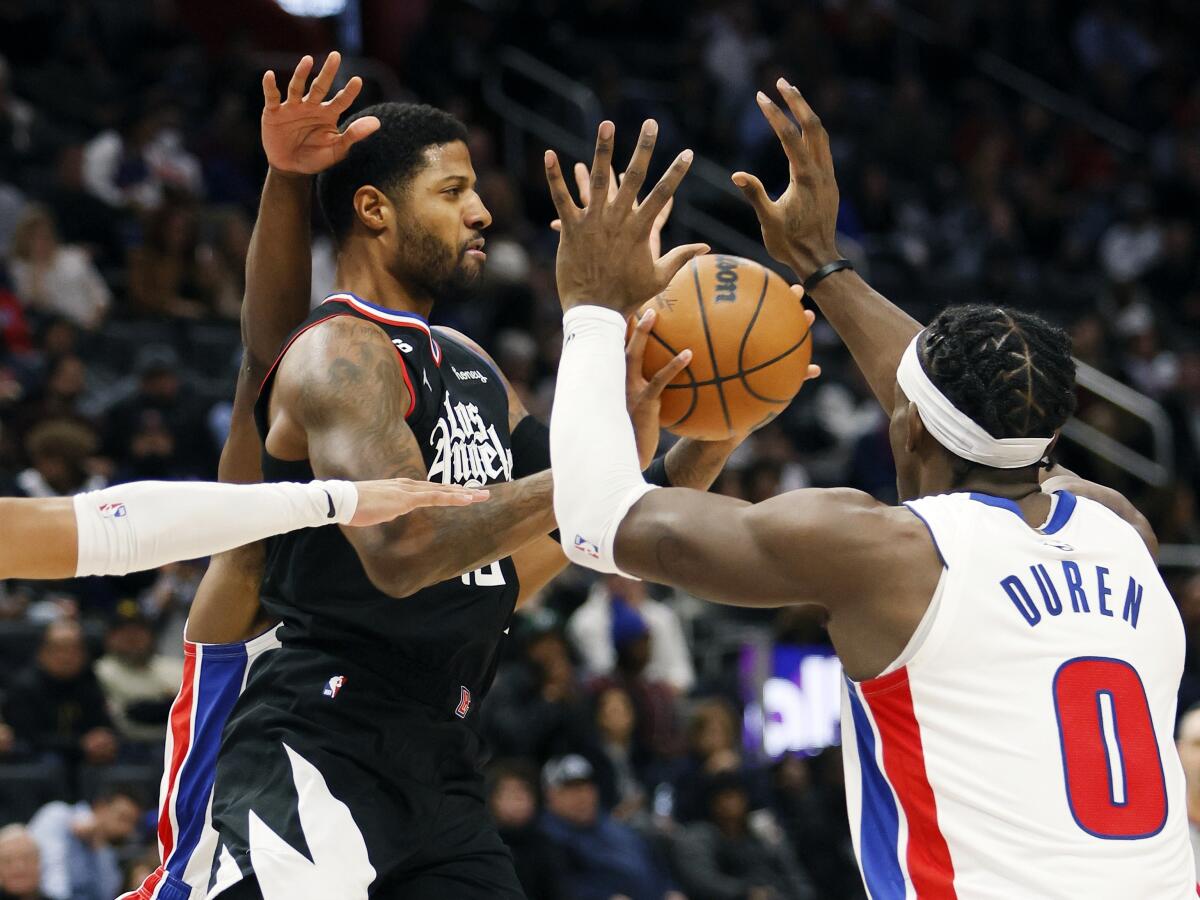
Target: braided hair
(1010, 371)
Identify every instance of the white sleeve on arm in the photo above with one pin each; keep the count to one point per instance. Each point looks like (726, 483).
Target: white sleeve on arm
(593, 453)
(146, 524)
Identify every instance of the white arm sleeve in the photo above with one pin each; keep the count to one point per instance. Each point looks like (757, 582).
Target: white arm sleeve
(146, 524)
(593, 453)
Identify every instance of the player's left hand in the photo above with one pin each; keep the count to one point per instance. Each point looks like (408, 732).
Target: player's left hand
(643, 396)
(300, 134)
(604, 255)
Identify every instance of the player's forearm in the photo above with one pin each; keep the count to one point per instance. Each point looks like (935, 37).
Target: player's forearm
(278, 265)
(875, 330)
(696, 464)
(147, 524)
(429, 546)
(537, 563)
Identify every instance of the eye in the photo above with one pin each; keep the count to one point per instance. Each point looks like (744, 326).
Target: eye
(452, 192)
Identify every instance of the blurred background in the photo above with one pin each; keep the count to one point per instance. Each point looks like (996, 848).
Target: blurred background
(1034, 153)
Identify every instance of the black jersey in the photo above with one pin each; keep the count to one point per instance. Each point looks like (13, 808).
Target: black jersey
(441, 643)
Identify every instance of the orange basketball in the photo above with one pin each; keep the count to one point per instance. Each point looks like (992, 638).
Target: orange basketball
(749, 341)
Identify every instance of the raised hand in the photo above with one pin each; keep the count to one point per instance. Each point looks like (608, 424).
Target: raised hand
(604, 254)
(583, 181)
(799, 228)
(300, 134)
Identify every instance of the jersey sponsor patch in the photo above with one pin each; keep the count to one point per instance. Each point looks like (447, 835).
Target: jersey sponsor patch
(467, 450)
(469, 375)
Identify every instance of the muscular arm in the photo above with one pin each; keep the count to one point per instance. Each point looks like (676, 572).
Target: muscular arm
(340, 399)
(278, 277)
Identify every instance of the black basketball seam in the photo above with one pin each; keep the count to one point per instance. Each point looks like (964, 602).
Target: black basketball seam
(746, 383)
(692, 378)
(712, 354)
(757, 367)
(762, 295)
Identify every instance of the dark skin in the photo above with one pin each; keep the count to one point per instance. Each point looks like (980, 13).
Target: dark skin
(873, 567)
(339, 397)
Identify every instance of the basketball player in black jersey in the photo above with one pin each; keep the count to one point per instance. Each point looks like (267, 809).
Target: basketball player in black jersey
(350, 766)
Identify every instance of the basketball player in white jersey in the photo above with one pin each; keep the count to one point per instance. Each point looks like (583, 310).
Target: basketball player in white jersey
(1012, 654)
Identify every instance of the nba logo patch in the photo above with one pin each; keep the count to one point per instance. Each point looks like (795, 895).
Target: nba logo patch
(583, 545)
(333, 685)
(464, 703)
(113, 510)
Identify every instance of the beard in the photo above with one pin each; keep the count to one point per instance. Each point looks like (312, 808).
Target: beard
(434, 267)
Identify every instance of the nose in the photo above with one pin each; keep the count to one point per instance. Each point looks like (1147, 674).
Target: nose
(478, 217)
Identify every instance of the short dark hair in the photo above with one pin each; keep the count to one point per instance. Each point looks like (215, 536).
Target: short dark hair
(387, 159)
(110, 791)
(1010, 371)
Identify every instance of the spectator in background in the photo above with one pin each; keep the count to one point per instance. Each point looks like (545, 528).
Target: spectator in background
(221, 264)
(712, 748)
(77, 844)
(622, 761)
(60, 452)
(513, 803)
(56, 707)
(604, 859)
(165, 277)
(139, 684)
(54, 278)
(137, 165)
(590, 628)
(159, 431)
(82, 217)
(724, 858)
(1187, 740)
(538, 707)
(20, 865)
(21, 132)
(657, 728)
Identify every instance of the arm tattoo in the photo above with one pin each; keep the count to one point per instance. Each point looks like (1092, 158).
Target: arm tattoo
(353, 409)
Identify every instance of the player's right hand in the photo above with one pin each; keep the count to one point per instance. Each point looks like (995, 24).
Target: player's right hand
(604, 252)
(300, 134)
(382, 501)
(799, 228)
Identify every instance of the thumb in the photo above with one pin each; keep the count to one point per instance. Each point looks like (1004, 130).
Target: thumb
(752, 189)
(674, 260)
(356, 131)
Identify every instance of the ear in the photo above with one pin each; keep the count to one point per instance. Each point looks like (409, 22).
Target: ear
(914, 428)
(373, 208)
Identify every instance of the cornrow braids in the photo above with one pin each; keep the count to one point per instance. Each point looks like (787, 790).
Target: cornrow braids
(1010, 371)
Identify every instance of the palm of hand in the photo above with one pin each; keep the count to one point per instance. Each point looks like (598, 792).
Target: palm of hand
(301, 138)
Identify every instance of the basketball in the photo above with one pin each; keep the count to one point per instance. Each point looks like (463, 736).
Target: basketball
(749, 340)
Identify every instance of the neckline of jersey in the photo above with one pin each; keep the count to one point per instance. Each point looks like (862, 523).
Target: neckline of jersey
(1063, 507)
(407, 313)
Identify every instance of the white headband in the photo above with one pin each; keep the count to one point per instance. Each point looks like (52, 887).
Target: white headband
(955, 430)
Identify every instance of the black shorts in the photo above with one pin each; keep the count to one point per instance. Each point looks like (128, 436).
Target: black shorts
(334, 782)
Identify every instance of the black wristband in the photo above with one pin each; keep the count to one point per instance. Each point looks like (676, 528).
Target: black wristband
(656, 474)
(530, 447)
(825, 271)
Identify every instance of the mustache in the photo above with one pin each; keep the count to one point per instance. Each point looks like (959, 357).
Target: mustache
(466, 245)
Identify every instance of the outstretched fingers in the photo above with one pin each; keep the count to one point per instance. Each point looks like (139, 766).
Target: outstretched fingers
(356, 131)
(295, 89)
(558, 189)
(812, 130)
(639, 163)
(649, 209)
(601, 170)
(271, 98)
(754, 192)
(785, 129)
(342, 100)
(324, 80)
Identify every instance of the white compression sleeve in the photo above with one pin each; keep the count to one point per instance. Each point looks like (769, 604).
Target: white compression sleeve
(593, 453)
(146, 524)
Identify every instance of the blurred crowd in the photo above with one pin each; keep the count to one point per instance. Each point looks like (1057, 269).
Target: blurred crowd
(129, 171)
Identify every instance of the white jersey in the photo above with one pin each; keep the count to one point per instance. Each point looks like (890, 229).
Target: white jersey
(1021, 746)
(214, 676)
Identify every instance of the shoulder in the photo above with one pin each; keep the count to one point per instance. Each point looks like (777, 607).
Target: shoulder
(343, 352)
